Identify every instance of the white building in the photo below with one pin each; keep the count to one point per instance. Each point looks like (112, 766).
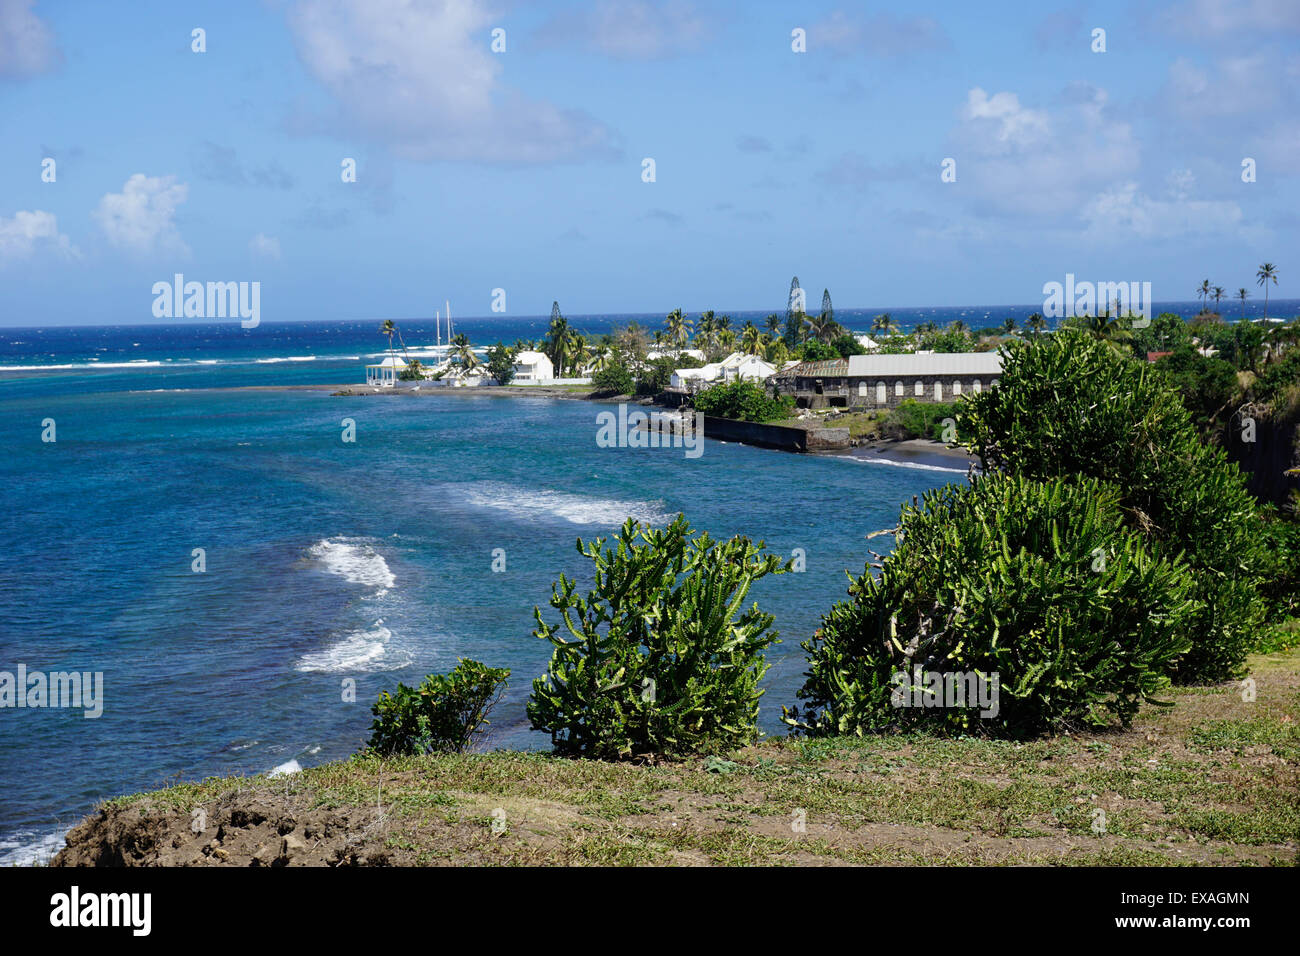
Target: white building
(533, 367)
(867, 342)
(737, 365)
(386, 372)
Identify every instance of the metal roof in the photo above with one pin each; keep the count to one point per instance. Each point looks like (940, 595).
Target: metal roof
(934, 363)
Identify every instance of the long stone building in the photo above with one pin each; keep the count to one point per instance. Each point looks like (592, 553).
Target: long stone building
(884, 381)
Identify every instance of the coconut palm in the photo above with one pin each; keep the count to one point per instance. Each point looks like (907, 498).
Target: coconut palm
(602, 358)
(388, 329)
(884, 324)
(1243, 295)
(579, 352)
(727, 340)
(1266, 271)
(1219, 293)
(957, 325)
(559, 344)
(463, 352)
(773, 323)
(752, 341)
(1036, 324)
(679, 328)
(823, 327)
(1008, 325)
(1203, 290)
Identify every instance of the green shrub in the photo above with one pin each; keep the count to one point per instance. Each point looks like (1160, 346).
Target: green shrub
(744, 400)
(1071, 405)
(913, 419)
(442, 715)
(655, 659)
(1039, 583)
(614, 380)
(413, 371)
(654, 377)
(1280, 585)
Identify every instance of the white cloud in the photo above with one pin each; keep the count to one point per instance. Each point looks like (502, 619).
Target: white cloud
(629, 29)
(26, 43)
(25, 232)
(141, 217)
(264, 247)
(1015, 159)
(420, 78)
(1127, 213)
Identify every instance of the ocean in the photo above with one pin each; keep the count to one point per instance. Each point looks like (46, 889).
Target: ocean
(324, 561)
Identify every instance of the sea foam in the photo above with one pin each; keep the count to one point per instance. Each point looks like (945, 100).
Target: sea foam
(354, 561)
(363, 651)
(576, 509)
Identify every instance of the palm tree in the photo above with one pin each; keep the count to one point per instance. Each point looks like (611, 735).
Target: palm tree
(774, 324)
(559, 344)
(752, 341)
(389, 330)
(1203, 290)
(1266, 271)
(679, 327)
(1008, 326)
(1218, 294)
(1036, 323)
(1243, 295)
(579, 352)
(957, 325)
(463, 352)
(602, 358)
(823, 327)
(884, 324)
(726, 340)
(1110, 329)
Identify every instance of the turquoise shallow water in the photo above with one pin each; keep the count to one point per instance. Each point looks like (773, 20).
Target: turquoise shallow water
(326, 560)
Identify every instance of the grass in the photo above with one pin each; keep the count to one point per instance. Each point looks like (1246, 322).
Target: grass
(1212, 780)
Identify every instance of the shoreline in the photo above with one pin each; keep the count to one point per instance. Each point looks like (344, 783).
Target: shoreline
(914, 451)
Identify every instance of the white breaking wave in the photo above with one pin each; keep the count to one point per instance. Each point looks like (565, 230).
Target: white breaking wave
(354, 561)
(287, 358)
(91, 364)
(365, 651)
(919, 466)
(28, 848)
(576, 509)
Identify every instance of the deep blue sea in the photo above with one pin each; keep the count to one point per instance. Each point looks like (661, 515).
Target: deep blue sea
(325, 560)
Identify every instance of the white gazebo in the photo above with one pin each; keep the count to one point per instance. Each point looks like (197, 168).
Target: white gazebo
(385, 374)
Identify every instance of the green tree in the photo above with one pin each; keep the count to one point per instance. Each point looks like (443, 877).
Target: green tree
(660, 657)
(1266, 272)
(1243, 295)
(1203, 290)
(501, 363)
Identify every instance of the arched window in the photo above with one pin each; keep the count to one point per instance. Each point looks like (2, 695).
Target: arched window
(938, 391)
(862, 389)
(920, 388)
(898, 389)
(881, 393)
(975, 386)
(956, 388)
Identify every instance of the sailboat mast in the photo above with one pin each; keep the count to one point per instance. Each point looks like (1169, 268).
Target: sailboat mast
(437, 322)
(448, 304)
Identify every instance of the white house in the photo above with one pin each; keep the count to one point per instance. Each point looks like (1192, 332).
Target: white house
(867, 342)
(737, 365)
(533, 367)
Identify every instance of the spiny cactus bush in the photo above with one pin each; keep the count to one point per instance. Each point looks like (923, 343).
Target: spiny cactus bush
(660, 657)
(442, 715)
(1071, 405)
(1039, 585)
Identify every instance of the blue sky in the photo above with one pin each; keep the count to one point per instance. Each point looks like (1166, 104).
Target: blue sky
(522, 170)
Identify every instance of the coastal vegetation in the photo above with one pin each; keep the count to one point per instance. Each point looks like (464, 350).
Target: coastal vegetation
(743, 400)
(1039, 586)
(661, 656)
(443, 715)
